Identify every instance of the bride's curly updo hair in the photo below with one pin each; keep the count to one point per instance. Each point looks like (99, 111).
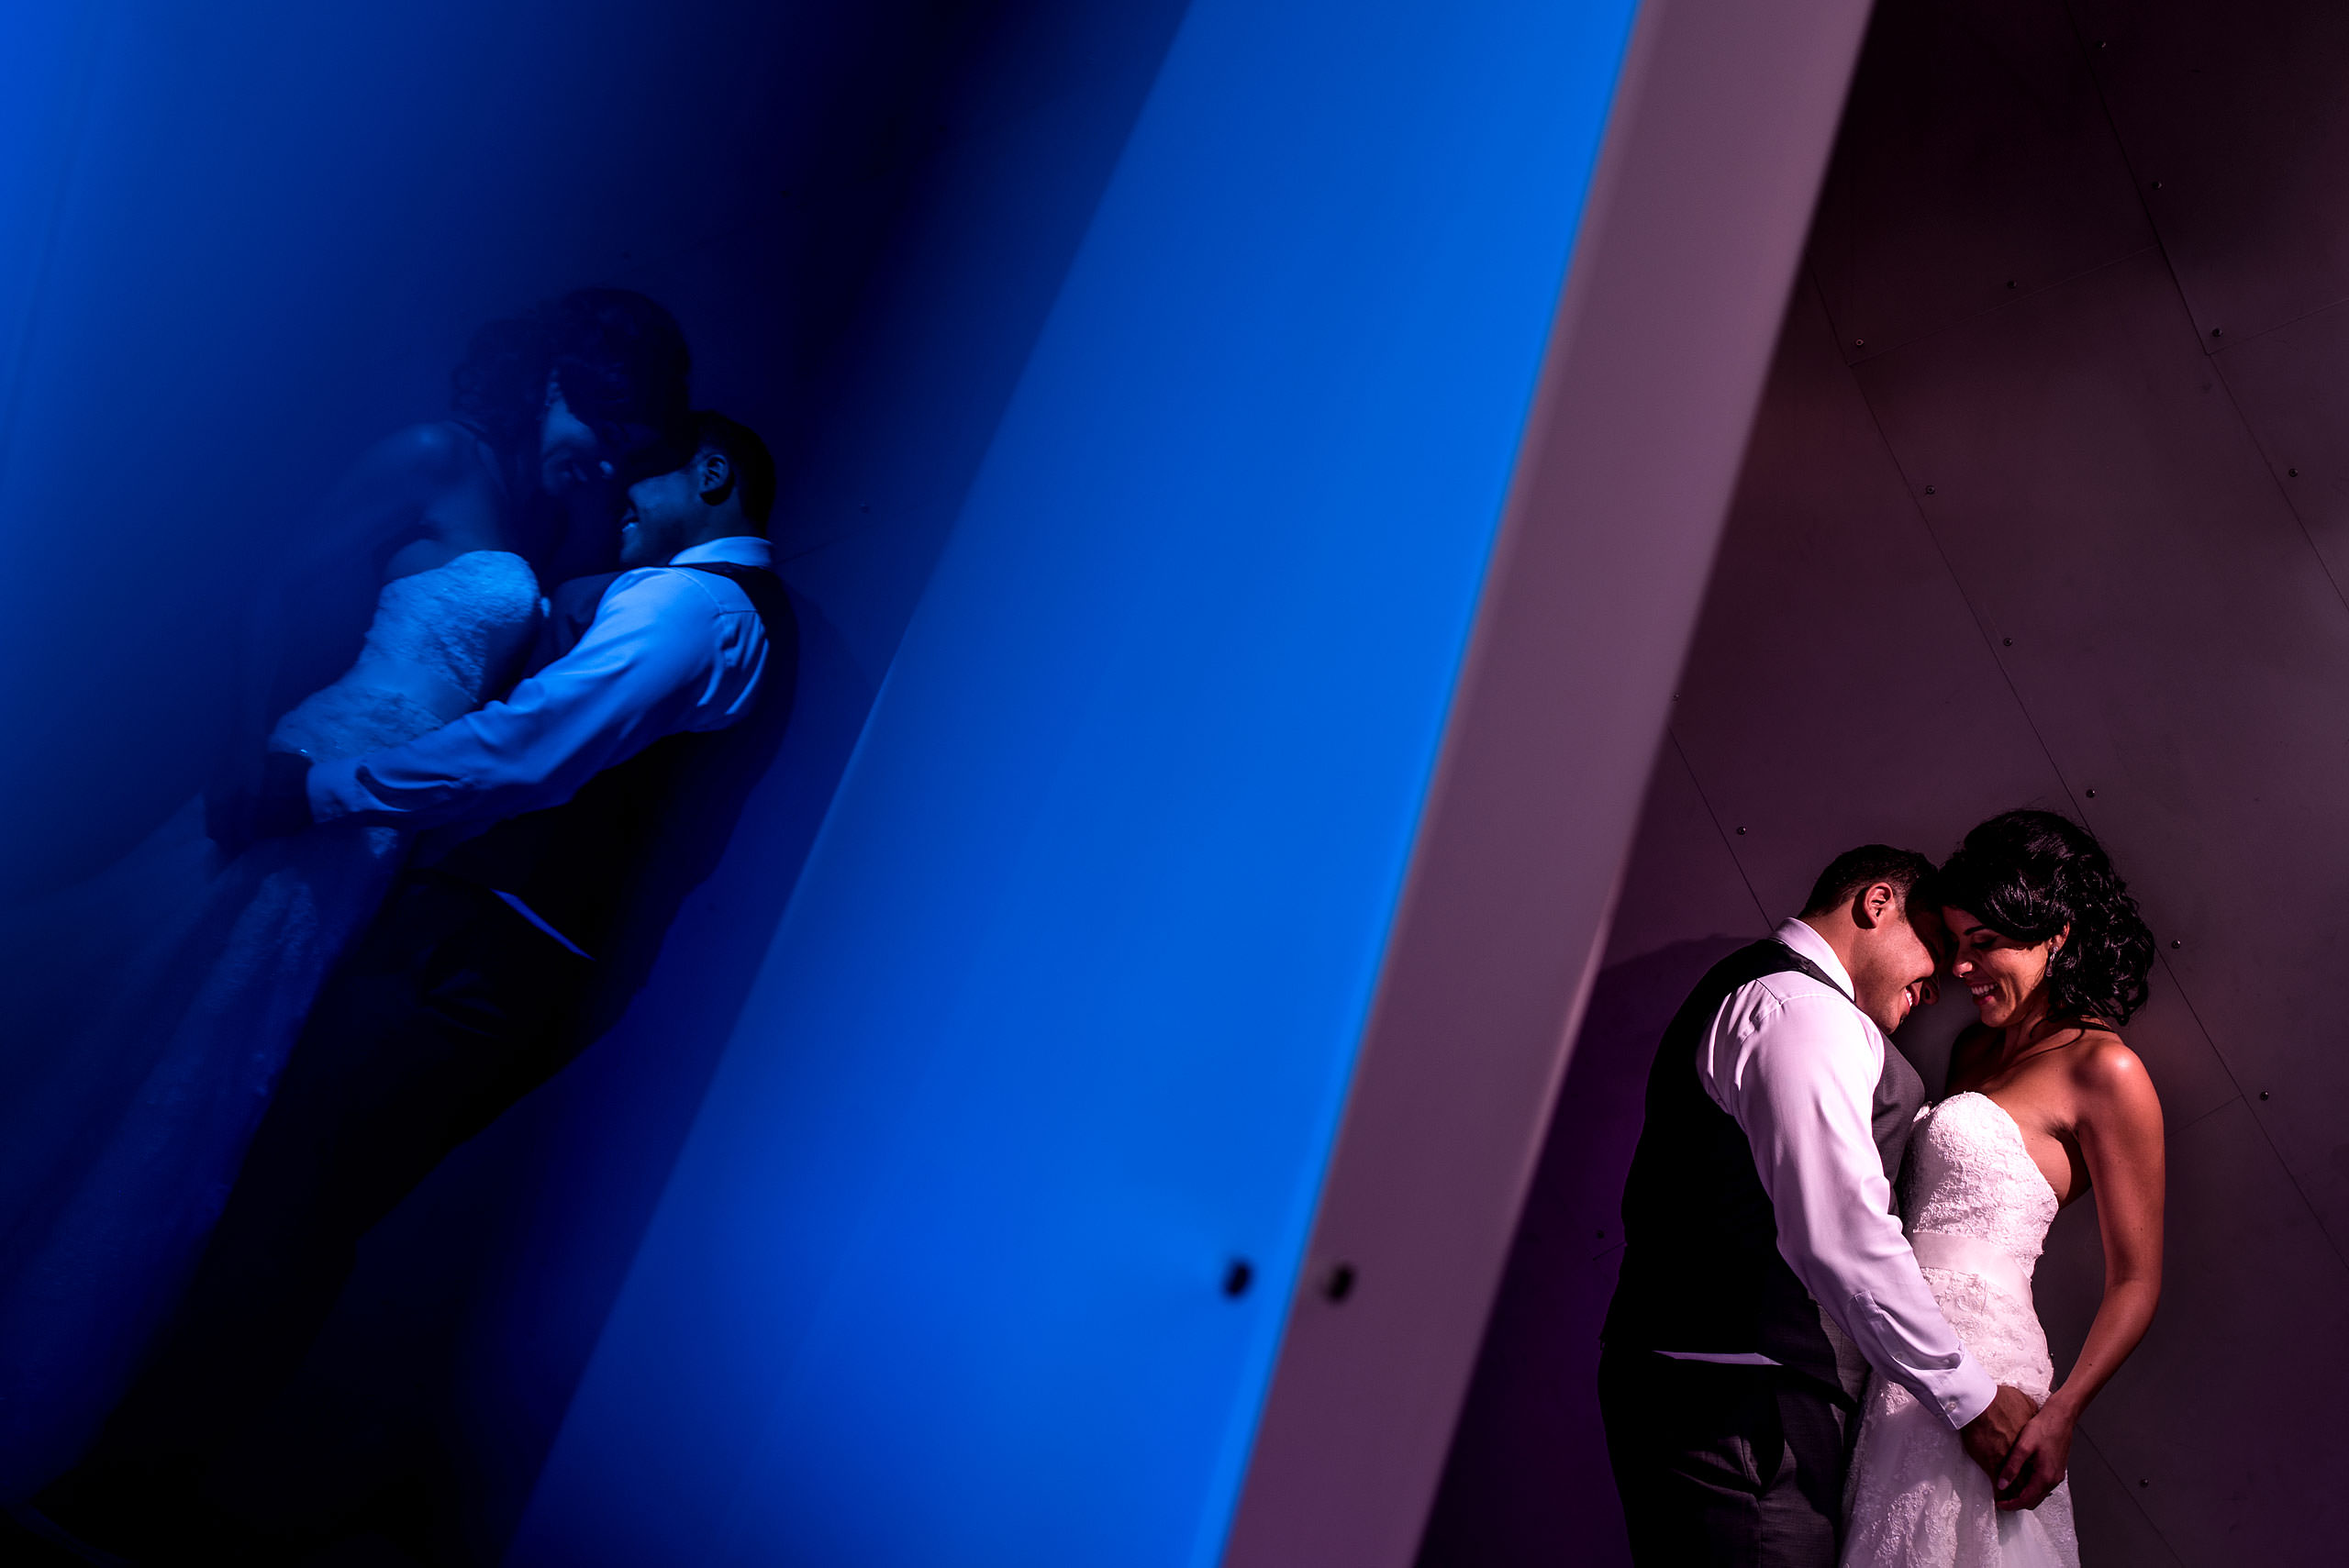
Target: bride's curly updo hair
(2028, 875)
(621, 360)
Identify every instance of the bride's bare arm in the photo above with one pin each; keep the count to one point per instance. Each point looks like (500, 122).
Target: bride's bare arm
(2118, 1127)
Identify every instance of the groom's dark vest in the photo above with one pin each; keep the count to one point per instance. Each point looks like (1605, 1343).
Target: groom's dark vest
(1701, 1267)
(574, 866)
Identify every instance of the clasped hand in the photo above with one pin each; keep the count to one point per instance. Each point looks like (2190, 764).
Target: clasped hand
(2024, 1447)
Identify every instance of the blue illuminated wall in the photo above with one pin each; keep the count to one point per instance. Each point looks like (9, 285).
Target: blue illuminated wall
(1058, 1021)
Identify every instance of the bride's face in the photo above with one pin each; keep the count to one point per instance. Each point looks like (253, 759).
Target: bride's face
(2001, 975)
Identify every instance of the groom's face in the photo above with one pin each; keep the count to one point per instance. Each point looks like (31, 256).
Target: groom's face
(661, 514)
(1899, 961)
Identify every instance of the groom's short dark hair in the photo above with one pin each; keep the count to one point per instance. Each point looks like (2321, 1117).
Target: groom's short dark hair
(1853, 870)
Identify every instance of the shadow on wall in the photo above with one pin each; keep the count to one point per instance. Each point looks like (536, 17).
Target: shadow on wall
(1528, 1479)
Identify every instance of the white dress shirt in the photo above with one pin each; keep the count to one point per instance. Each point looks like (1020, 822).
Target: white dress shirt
(668, 652)
(1797, 1064)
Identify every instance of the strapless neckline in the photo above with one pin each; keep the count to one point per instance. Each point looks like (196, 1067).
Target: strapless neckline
(458, 560)
(2022, 1139)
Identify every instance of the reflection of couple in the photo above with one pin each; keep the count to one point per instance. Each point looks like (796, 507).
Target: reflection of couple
(1769, 1289)
(185, 1182)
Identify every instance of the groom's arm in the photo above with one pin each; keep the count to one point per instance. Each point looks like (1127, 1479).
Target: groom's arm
(662, 657)
(1798, 1073)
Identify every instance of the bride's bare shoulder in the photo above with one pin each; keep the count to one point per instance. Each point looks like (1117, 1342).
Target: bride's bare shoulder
(421, 459)
(2107, 1075)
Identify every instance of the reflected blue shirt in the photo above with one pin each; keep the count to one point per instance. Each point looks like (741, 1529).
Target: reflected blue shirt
(668, 652)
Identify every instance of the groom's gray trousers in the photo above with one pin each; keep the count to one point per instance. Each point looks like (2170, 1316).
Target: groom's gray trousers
(1735, 1466)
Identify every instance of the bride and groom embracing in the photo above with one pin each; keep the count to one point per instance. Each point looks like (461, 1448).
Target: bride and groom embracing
(1796, 1371)
(381, 936)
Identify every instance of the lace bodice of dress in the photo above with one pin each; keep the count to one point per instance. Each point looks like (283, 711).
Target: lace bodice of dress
(1969, 1174)
(442, 640)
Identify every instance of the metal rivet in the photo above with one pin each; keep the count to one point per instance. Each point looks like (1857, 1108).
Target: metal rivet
(2006, 642)
(1741, 832)
(2176, 942)
(1341, 1283)
(2263, 1093)
(2091, 795)
(2157, 184)
(1237, 1277)
(1929, 489)
(2216, 332)
(2142, 1482)
(2010, 282)
(1859, 342)
(2291, 473)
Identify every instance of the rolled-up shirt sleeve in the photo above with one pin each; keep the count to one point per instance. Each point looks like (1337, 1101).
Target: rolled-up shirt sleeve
(1799, 1079)
(656, 662)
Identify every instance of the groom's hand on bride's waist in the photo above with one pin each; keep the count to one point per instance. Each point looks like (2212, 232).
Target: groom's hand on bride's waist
(1990, 1437)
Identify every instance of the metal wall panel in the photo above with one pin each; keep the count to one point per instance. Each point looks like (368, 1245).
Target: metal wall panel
(2225, 1423)
(1689, 880)
(2168, 628)
(1839, 691)
(2290, 385)
(1975, 163)
(2234, 126)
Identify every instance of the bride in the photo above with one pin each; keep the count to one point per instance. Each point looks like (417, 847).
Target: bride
(2046, 1104)
(168, 989)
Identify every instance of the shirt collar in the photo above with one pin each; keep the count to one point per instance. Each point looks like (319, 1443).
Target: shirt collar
(734, 549)
(1813, 946)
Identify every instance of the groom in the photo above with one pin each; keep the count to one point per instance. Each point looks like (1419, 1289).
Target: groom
(1764, 1271)
(462, 995)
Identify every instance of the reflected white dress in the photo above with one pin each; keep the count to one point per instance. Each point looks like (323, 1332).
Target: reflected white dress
(1976, 1208)
(156, 1002)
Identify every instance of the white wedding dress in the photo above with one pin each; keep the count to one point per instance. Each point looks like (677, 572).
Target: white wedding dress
(156, 1002)
(1977, 1209)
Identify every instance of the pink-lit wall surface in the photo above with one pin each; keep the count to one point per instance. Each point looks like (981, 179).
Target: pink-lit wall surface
(2047, 504)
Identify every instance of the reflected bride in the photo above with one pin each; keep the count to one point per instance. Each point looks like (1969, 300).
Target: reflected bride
(186, 971)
